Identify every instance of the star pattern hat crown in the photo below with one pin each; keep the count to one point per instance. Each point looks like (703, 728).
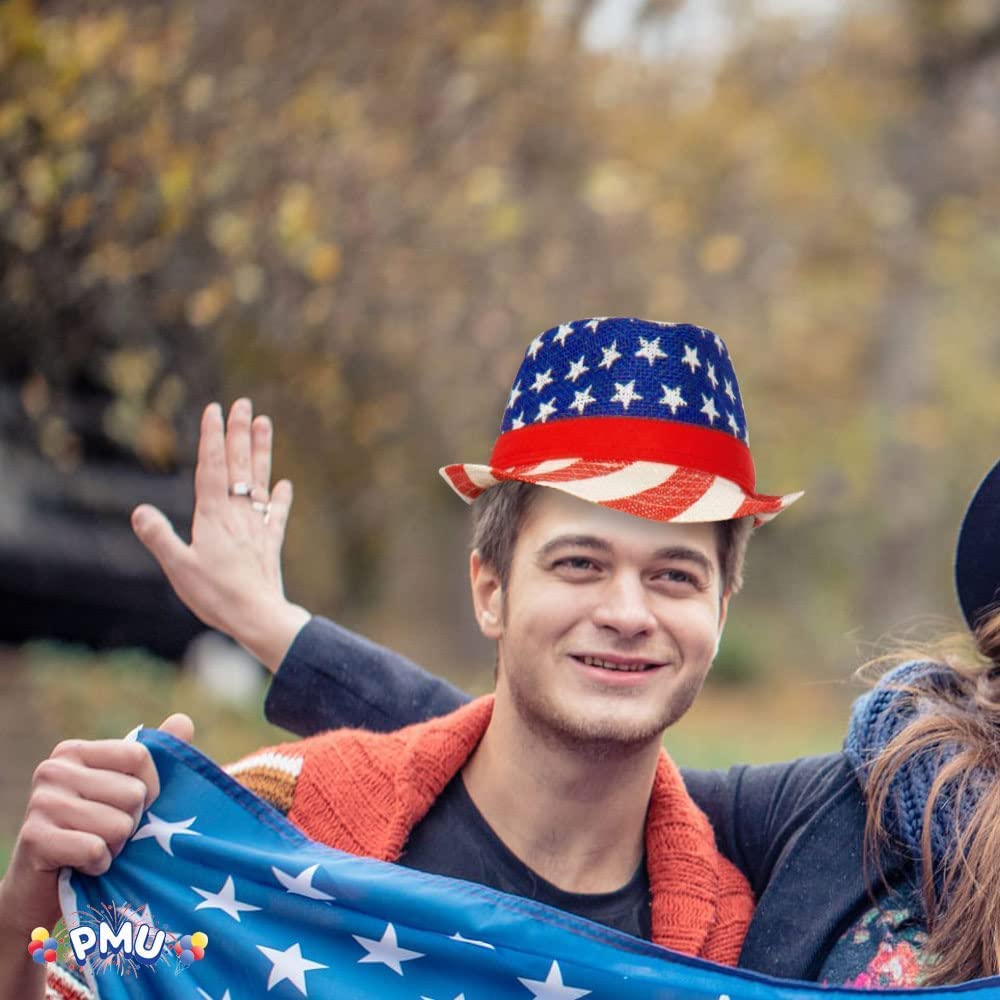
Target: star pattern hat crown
(641, 416)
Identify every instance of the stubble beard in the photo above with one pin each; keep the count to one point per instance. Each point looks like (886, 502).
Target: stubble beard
(604, 739)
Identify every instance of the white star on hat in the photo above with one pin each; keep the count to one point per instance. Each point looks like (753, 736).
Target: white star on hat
(565, 329)
(301, 884)
(225, 900)
(514, 393)
(546, 410)
(625, 393)
(672, 398)
(542, 379)
(576, 369)
(552, 987)
(650, 350)
(611, 355)
(709, 408)
(729, 390)
(711, 376)
(386, 951)
(535, 346)
(733, 425)
(582, 400)
(289, 964)
(691, 358)
(518, 422)
(594, 323)
(162, 831)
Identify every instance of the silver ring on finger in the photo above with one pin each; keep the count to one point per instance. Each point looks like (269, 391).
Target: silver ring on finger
(240, 489)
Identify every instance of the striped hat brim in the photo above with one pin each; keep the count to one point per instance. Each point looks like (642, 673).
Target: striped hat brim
(653, 490)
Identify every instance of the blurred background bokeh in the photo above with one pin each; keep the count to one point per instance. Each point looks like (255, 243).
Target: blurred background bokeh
(359, 215)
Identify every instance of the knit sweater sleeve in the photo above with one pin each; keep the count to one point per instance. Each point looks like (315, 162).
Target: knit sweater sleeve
(332, 678)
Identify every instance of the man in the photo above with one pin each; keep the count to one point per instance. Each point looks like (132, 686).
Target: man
(608, 542)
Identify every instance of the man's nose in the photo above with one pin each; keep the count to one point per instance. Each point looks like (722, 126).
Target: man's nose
(624, 606)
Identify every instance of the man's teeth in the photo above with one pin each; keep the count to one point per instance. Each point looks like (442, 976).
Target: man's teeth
(593, 661)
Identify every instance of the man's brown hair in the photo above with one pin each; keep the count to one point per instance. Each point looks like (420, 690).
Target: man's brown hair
(498, 514)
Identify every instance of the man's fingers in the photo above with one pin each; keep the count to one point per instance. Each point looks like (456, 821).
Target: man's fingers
(157, 534)
(277, 518)
(179, 725)
(261, 443)
(238, 442)
(211, 477)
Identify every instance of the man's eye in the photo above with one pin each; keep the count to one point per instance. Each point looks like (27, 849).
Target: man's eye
(680, 576)
(575, 562)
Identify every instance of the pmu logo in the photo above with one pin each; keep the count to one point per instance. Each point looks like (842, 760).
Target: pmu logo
(141, 943)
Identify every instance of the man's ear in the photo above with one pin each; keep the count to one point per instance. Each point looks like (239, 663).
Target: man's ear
(487, 596)
(723, 611)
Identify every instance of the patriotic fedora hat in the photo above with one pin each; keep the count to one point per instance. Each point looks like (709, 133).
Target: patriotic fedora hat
(639, 416)
(977, 555)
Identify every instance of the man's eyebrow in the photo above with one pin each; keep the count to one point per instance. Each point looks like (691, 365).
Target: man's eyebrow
(576, 541)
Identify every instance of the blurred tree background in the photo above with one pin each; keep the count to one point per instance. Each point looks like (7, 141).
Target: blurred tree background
(360, 214)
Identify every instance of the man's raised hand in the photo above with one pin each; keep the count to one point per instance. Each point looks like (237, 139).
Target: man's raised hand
(230, 574)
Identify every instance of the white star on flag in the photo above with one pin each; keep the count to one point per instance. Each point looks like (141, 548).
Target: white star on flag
(289, 964)
(225, 996)
(582, 400)
(518, 422)
(546, 410)
(301, 884)
(386, 951)
(729, 390)
(576, 369)
(719, 345)
(709, 408)
(565, 329)
(542, 379)
(225, 900)
(672, 398)
(733, 425)
(611, 355)
(593, 324)
(625, 393)
(514, 393)
(552, 988)
(691, 358)
(464, 940)
(711, 376)
(535, 346)
(162, 831)
(461, 996)
(650, 350)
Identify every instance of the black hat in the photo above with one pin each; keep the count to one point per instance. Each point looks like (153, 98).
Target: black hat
(977, 557)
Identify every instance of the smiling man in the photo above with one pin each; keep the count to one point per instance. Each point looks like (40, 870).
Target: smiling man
(610, 526)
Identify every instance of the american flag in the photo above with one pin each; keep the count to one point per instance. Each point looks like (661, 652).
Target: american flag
(288, 918)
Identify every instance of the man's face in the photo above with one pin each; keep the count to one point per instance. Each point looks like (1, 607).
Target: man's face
(609, 623)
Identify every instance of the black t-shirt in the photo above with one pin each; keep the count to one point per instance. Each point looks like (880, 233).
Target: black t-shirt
(454, 839)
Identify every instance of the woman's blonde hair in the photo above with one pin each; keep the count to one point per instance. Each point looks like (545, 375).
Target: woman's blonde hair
(956, 722)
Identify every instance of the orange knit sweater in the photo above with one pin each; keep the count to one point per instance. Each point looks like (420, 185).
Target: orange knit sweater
(364, 792)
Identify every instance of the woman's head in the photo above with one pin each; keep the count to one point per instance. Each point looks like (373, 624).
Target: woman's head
(934, 790)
